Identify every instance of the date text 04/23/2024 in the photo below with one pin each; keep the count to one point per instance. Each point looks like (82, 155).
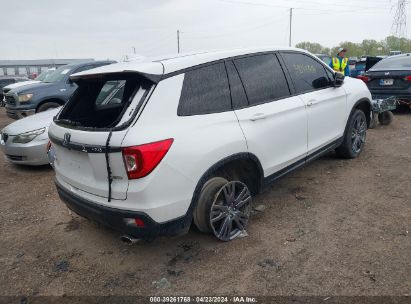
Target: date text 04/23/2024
(202, 299)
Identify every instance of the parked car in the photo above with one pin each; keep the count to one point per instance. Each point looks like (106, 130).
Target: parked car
(39, 78)
(52, 92)
(391, 77)
(7, 80)
(24, 142)
(194, 137)
(363, 65)
(351, 62)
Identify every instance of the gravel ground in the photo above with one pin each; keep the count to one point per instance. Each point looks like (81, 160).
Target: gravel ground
(334, 227)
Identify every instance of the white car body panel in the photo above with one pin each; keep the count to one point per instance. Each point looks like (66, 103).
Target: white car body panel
(291, 129)
(326, 111)
(284, 123)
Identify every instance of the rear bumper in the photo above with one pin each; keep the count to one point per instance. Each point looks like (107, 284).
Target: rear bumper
(379, 94)
(115, 218)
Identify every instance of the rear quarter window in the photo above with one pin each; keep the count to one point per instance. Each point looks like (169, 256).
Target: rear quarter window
(205, 90)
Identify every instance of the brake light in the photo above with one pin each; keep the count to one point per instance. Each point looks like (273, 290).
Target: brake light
(408, 78)
(136, 222)
(142, 160)
(363, 78)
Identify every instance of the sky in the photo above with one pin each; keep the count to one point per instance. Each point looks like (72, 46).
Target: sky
(111, 29)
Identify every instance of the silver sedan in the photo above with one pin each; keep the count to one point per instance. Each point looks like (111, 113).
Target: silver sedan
(25, 141)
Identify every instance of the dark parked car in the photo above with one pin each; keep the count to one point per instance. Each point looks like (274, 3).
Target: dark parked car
(6, 80)
(52, 92)
(363, 65)
(391, 77)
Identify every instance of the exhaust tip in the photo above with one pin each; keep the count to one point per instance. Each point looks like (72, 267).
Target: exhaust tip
(128, 239)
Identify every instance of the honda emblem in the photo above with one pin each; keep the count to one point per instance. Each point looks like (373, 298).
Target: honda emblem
(66, 140)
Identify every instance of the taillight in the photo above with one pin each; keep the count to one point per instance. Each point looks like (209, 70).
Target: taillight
(363, 78)
(141, 160)
(407, 78)
(136, 222)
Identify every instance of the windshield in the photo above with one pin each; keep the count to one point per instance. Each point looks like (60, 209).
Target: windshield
(58, 74)
(43, 75)
(392, 63)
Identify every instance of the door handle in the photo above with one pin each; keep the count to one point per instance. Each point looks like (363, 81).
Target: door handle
(311, 102)
(257, 116)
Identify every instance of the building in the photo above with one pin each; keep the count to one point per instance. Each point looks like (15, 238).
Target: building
(33, 67)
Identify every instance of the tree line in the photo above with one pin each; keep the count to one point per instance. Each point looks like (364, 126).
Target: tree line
(367, 47)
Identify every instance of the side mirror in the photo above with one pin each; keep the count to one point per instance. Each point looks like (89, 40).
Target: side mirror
(338, 79)
(321, 82)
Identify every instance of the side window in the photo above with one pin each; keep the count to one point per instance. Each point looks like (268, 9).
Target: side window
(329, 74)
(236, 87)
(263, 78)
(205, 90)
(307, 73)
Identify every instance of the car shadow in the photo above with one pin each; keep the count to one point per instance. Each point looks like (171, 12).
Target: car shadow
(25, 168)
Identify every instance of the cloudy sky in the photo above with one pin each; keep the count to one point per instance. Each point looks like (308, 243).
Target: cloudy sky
(111, 28)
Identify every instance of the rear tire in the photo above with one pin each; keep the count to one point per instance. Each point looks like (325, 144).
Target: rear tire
(205, 200)
(355, 135)
(47, 106)
(385, 118)
(223, 208)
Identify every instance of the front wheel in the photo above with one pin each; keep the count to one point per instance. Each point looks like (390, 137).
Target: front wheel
(355, 135)
(47, 106)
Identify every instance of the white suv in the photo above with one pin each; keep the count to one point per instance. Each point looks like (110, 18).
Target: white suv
(149, 147)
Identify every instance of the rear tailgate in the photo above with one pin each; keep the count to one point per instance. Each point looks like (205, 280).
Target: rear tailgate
(84, 166)
(389, 80)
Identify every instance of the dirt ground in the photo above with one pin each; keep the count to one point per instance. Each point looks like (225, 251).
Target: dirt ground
(335, 227)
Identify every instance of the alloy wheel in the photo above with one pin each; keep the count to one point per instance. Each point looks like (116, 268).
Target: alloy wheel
(230, 211)
(358, 134)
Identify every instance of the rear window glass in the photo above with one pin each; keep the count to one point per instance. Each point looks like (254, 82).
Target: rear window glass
(263, 78)
(100, 102)
(205, 90)
(390, 63)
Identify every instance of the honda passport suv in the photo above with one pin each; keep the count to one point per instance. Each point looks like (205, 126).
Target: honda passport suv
(149, 147)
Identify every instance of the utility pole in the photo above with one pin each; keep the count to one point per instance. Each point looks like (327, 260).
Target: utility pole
(291, 24)
(178, 41)
(399, 25)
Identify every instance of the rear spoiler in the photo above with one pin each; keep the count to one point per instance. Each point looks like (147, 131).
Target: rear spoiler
(154, 78)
